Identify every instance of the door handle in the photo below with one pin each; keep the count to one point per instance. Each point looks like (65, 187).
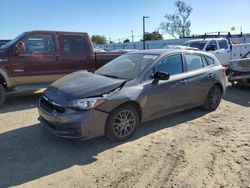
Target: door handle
(57, 57)
(184, 81)
(210, 75)
(18, 70)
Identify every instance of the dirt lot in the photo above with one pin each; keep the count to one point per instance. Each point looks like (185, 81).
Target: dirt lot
(190, 149)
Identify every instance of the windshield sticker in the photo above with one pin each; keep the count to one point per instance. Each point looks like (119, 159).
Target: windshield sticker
(150, 57)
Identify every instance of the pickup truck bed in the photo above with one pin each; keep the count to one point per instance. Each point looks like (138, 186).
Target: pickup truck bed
(239, 72)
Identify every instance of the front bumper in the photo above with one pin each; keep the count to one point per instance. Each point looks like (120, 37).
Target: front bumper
(73, 124)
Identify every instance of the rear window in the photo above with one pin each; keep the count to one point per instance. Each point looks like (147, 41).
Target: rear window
(210, 60)
(223, 44)
(74, 43)
(193, 62)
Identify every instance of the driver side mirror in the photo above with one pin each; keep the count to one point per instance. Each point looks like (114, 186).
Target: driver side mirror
(20, 48)
(161, 76)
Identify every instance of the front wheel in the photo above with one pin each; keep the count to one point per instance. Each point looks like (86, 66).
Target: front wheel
(122, 123)
(2, 94)
(213, 98)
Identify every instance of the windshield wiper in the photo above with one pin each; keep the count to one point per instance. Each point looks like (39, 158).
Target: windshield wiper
(112, 76)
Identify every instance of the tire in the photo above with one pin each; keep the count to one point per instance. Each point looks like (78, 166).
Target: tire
(122, 123)
(213, 98)
(2, 94)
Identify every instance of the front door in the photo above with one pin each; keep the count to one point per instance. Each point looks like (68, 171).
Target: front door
(167, 95)
(40, 62)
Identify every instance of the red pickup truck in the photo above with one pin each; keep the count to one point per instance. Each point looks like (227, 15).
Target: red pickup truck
(35, 59)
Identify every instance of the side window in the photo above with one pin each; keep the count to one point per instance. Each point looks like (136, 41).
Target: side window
(149, 75)
(210, 60)
(212, 46)
(171, 64)
(223, 44)
(73, 43)
(205, 63)
(40, 43)
(193, 62)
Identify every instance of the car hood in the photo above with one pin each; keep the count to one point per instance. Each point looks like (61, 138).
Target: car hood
(80, 85)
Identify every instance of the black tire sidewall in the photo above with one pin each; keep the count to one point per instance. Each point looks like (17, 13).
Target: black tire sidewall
(208, 106)
(109, 132)
(2, 94)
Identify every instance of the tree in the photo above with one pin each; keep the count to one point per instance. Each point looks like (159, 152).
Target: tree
(155, 35)
(178, 25)
(98, 39)
(126, 41)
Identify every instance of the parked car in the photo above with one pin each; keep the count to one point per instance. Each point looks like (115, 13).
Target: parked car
(129, 90)
(35, 59)
(221, 48)
(239, 71)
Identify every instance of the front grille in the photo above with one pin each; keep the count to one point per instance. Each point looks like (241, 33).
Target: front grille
(49, 105)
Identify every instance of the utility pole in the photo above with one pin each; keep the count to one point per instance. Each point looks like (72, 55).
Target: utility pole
(143, 27)
(132, 35)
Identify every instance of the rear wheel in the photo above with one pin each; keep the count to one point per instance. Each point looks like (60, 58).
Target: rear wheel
(122, 123)
(213, 98)
(2, 94)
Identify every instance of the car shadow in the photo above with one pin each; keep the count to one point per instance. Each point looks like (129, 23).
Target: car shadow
(238, 95)
(20, 101)
(32, 152)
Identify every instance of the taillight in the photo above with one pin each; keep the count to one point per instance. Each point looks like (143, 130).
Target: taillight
(224, 70)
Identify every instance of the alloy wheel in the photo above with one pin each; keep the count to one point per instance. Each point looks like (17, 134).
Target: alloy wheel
(124, 123)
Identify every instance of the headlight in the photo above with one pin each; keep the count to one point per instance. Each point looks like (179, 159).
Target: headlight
(85, 104)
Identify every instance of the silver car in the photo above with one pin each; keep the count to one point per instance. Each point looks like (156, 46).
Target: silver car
(131, 89)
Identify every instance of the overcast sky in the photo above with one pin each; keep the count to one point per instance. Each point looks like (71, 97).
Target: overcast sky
(116, 18)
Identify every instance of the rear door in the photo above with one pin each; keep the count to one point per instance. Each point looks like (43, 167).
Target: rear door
(220, 49)
(200, 77)
(40, 63)
(76, 53)
(224, 52)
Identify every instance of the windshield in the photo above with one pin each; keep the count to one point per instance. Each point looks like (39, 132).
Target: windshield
(196, 44)
(127, 66)
(13, 41)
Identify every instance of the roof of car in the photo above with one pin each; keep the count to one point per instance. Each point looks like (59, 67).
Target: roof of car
(156, 51)
(164, 51)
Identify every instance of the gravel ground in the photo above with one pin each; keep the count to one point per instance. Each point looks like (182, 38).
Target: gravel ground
(189, 149)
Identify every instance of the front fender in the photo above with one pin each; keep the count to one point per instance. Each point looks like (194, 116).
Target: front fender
(126, 94)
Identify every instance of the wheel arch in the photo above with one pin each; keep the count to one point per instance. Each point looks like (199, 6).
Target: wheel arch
(4, 79)
(220, 86)
(133, 103)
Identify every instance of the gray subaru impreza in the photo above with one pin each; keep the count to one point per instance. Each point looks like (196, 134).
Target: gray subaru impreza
(131, 89)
